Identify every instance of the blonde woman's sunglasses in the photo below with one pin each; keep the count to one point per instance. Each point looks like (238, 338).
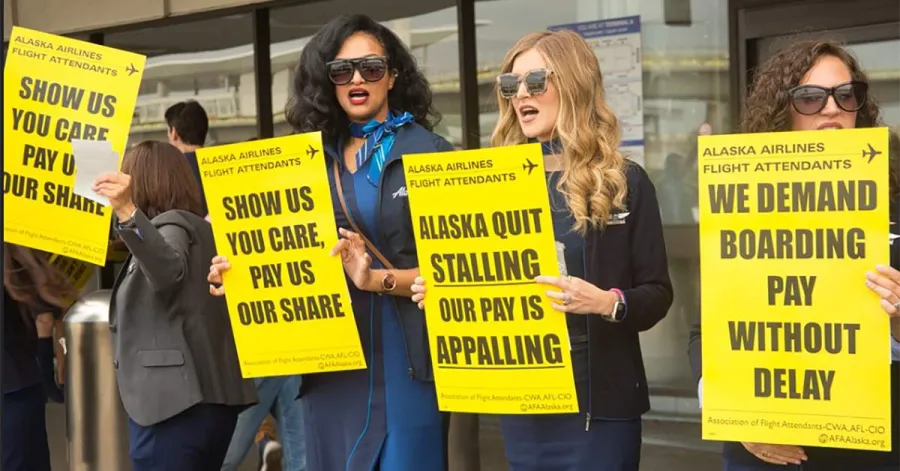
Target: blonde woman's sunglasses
(535, 82)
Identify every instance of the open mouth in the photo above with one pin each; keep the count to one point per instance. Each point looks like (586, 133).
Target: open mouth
(830, 126)
(358, 96)
(528, 113)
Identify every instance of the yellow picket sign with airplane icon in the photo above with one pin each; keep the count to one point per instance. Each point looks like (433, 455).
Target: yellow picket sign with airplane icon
(497, 345)
(796, 347)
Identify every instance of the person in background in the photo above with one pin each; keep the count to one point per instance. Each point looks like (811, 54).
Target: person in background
(690, 190)
(32, 287)
(270, 450)
(675, 208)
(174, 353)
(359, 85)
(615, 280)
(819, 85)
(188, 126)
(278, 395)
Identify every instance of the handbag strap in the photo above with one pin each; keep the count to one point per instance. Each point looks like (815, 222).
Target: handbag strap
(369, 245)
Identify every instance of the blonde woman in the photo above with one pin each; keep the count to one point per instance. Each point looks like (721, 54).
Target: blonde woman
(615, 281)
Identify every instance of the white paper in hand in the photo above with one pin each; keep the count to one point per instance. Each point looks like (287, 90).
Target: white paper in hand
(92, 159)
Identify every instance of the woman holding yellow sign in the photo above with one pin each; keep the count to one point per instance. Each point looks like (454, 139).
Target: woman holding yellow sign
(812, 86)
(359, 85)
(615, 281)
(175, 359)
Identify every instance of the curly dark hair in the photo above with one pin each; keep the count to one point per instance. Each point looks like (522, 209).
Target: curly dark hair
(314, 105)
(768, 107)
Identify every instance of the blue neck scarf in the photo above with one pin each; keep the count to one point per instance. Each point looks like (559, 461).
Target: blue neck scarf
(552, 147)
(379, 141)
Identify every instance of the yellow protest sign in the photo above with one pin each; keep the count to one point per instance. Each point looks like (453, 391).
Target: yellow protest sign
(78, 272)
(271, 213)
(56, 89)
(483, 231)
(796, 348)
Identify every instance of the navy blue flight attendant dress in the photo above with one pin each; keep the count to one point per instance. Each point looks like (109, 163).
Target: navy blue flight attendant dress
(24, 429)
(378, 419)
(565, 442)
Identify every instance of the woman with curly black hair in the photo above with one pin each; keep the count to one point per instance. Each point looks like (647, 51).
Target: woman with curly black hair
(819, 85)
(359, 86)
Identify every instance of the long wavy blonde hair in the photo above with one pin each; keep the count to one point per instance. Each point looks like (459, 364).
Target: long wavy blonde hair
(593, 178)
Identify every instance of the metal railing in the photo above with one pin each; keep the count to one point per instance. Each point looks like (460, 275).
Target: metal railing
(222, 104)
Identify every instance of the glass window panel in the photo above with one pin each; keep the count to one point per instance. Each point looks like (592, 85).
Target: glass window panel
(881, 62)
(210, 61)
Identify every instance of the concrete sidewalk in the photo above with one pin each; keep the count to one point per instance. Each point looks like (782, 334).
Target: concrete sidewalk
(668, 446)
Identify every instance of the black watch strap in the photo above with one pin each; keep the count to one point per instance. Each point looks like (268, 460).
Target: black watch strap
(128, 224)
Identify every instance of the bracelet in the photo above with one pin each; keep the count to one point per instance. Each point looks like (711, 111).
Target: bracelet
(621, 296)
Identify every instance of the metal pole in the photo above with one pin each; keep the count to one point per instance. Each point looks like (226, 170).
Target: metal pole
(463, 442)
(96, 423)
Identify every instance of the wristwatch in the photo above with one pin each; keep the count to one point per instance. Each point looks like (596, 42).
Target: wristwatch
(388, 283)
(620, 308)
(128, 223)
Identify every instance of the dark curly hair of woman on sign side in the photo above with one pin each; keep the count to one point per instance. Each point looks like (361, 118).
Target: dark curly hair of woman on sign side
(816, 85)
(359, 85)
(31, 287)
(311, 108)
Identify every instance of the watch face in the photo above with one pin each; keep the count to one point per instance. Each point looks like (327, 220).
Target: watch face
(619, 313)
(389, 282)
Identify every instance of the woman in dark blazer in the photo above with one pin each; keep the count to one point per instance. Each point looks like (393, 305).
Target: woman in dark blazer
(789, 95)
(175, 358)
(359, 85)
(31, 287)
(615, 280)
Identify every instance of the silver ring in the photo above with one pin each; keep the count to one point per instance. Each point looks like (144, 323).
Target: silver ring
(567, 300)
(897, 305)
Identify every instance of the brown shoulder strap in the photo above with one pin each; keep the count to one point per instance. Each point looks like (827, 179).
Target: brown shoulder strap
(340, 192)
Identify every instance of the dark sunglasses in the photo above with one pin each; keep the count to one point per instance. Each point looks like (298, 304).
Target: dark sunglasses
(371, 69)
(811, 99)
(535, 82)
